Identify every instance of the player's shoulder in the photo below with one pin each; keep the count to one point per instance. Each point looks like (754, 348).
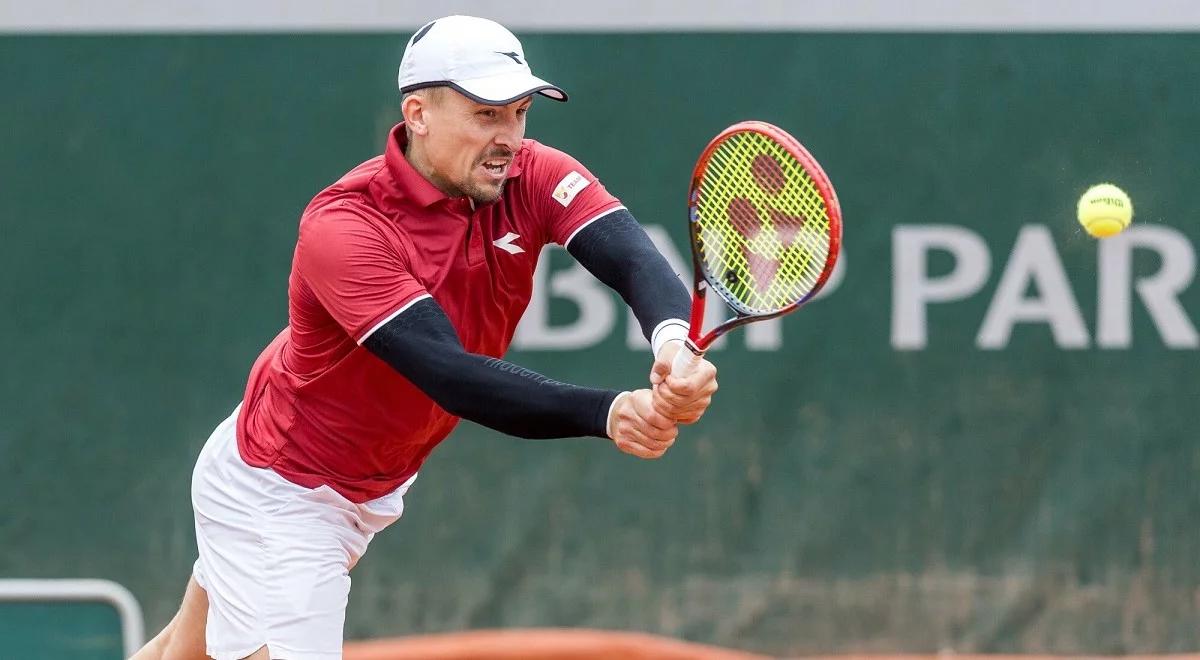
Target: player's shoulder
(544, 167)
(555, 172)
(341, 230)
(345, 203)
(349, 195)
(536, 153)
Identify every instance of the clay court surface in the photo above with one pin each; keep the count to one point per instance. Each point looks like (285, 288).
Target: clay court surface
(583, 644)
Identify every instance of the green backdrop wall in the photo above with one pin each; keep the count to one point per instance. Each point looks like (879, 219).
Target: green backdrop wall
(842, 494)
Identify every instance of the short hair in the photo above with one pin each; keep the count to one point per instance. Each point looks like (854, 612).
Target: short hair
(434, 92)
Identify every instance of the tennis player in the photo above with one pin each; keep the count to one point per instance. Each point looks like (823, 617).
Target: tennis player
(408, 279)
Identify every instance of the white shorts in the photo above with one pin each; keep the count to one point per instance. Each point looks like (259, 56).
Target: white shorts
(275, 557)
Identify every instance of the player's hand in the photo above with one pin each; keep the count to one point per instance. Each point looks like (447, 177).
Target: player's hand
(682, 399)
(637, 428)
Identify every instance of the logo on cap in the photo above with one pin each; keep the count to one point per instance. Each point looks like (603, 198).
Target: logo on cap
(516, 57)
(422, 32)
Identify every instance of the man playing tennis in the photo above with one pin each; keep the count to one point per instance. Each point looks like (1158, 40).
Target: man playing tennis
(408, 279)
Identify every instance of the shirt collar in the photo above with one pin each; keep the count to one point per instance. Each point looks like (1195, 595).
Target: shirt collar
(400, 182)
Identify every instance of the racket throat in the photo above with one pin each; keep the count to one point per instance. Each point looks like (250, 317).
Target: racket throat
(696, 323)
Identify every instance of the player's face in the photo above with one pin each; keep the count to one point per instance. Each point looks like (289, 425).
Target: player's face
(470, 146)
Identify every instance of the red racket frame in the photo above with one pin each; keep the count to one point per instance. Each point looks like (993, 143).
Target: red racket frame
(824, 188)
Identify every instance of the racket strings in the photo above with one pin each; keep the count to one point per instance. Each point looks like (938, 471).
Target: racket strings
(763, 226)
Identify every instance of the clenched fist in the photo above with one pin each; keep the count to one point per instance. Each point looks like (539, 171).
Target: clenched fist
(637, 428)
(683, 399)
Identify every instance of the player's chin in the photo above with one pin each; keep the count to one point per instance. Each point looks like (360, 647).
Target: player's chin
(485, 192)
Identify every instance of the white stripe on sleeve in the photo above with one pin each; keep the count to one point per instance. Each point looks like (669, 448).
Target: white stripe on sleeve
(580, 227)
(391, 316)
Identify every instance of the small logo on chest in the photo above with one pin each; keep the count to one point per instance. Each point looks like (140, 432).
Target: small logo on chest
(506, 243)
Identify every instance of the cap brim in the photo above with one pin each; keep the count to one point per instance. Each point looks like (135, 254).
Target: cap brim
(502, 90)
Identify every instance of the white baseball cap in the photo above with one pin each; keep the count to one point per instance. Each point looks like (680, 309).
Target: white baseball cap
(479, 58)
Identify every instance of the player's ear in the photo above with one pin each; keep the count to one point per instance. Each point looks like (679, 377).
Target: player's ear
(414, 107)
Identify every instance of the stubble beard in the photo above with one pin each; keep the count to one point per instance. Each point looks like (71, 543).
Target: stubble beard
(483, 194)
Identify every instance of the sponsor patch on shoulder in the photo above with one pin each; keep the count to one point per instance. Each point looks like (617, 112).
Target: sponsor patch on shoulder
(570, 186)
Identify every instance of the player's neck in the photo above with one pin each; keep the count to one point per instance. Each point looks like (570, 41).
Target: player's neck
(416, 157)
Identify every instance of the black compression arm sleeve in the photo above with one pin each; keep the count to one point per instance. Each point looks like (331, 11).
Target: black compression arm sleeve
(618, 252)
(421, 344)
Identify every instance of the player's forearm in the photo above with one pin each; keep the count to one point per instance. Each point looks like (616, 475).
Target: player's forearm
(617, 251)
(517, 401)
(422, 346)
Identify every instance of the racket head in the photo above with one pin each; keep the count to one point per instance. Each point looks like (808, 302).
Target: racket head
(764, 222)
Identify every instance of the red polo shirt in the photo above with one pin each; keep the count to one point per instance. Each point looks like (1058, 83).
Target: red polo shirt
(321, 409)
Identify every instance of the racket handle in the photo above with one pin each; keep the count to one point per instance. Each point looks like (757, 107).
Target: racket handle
(686, 360)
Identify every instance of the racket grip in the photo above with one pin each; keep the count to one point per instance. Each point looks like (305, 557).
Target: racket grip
(686, 360)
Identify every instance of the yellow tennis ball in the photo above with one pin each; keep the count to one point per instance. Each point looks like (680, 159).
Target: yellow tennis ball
(1104, 210)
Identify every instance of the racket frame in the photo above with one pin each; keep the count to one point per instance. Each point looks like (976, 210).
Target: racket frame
(698, 343)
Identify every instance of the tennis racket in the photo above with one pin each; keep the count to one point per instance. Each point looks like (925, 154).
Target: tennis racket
(765, 230)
